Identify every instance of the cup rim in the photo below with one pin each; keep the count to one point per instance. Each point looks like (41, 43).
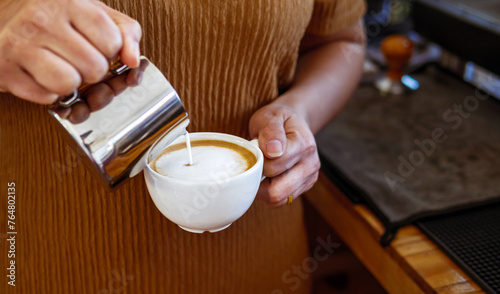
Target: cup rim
(260, 156)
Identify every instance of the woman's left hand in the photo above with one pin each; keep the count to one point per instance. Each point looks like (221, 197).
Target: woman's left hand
(291, 162)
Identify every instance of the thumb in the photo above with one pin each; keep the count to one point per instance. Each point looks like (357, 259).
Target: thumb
(272, 138)
(131, 35)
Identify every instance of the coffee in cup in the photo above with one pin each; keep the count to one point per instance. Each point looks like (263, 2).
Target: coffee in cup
(212, 193)
(209, 157)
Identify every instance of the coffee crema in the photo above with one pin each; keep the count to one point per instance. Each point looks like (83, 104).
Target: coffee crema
(212, 159)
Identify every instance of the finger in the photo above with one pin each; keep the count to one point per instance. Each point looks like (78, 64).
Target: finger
(130, 53)
(296, 181)
(272, 137)
(63, 112)
(51, 72)
(276, 190)
(134, 77)
(70, 45)
(300, 144)
(131, 34)
(118, 84)
(265, 196)
(24, 86)
(98, 96)
(97, 27)
(307, 184)
(79, 113)
(102, 94)
(275, 167)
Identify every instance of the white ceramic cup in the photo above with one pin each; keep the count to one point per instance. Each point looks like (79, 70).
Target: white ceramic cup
(206, 206)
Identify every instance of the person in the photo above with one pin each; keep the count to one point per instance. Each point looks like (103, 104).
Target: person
(273, 70)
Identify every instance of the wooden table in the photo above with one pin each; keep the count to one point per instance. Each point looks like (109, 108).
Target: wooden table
(411, 264)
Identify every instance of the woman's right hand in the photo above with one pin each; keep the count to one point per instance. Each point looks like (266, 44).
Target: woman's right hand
(49, 47)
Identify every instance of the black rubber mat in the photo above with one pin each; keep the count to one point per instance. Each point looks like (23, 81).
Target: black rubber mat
(376, 145)
(472, 240)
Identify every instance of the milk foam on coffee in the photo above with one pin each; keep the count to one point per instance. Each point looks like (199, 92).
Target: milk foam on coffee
(209, 162)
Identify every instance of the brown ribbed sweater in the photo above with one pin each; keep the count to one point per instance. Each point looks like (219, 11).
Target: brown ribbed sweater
(226, 59)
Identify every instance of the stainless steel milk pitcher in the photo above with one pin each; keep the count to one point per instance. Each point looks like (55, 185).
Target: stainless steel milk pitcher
(112, 124)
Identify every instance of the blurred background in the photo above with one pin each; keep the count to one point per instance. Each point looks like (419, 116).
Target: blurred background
(415, 49)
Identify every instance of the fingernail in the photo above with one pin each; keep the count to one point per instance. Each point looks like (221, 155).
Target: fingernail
(53, 98)
(274, 148)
